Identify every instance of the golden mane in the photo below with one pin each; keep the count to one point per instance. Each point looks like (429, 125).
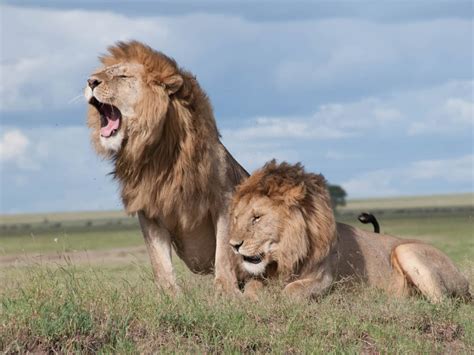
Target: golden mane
(168, 165)
(153, 120)
(310, 251)
(291, 187)
(158, 67)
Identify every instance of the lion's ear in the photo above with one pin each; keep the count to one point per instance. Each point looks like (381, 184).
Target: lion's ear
(173, 83)
(295, 195)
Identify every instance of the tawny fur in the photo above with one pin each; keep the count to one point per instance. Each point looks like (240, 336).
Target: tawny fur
(171, 165)
(302, 200)
(296, 237)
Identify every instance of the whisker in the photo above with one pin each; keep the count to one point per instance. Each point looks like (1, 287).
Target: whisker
(75, 98)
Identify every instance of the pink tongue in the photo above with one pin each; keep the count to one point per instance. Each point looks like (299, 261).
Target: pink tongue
(112, 124)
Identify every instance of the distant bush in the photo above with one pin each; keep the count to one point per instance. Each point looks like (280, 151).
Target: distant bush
(338, 195)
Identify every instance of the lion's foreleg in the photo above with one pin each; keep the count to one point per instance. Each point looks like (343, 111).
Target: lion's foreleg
(253, 288)
(311, 286)
(158, 243)
(225, 263)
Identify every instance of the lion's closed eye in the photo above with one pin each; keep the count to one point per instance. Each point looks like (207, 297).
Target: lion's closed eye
(256, 218)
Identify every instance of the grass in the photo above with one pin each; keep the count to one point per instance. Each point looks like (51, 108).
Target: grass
(91, 307)
(86, 309)
(62, 241)
(453, 234)
(452, 200)
(59, 217)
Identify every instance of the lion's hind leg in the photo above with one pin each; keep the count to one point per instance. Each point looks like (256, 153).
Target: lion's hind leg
(430, 271)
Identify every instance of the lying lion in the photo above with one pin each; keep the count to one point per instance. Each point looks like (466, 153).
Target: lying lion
(282, 224)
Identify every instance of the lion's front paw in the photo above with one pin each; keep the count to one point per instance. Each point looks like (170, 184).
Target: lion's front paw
(296, 290)
(169, 289)
(252, 289)
(226, 288)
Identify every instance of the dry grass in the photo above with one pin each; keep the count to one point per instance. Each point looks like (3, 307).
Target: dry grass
(60, 216)
(109, 303)
(118, 309)
(452, 200)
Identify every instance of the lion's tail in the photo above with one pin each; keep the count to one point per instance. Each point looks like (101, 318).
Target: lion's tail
(367, 217)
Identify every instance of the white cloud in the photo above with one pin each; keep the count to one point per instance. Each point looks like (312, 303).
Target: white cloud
(371, 184)
(57, 171)
(451, 170)
(403, 180)
(22, 149)
(460, 110)
(252, 154)
(330, 121)
(13, 145)
(363, 53)
(387, 114)
(48, 53)
(350, 80)
(285, 128)
(443, 109)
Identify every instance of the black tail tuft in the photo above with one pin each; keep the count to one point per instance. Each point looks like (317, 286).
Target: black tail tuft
(366, 217)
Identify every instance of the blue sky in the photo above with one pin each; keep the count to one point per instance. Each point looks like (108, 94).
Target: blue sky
(378, 96)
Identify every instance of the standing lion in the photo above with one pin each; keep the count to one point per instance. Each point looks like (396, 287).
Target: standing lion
(282, 224)
(153, 120)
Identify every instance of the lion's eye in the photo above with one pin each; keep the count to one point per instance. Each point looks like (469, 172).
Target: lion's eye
(123, 76)
(256, 218)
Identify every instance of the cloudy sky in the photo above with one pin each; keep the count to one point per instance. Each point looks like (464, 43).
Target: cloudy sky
(376, 95)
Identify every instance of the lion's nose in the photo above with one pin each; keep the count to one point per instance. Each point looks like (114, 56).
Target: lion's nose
(93, 82)
(236, 246)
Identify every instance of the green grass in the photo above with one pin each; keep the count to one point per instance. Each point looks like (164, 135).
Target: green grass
(59, 217)
(61, 241)
(115, 307)
(453, 234)
(452, 200)
(86, 309)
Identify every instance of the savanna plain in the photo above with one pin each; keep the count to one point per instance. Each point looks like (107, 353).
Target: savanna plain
(81, 282)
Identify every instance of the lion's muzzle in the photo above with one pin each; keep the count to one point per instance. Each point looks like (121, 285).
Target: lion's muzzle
(255, 259)
(236, 245)
(110, 117)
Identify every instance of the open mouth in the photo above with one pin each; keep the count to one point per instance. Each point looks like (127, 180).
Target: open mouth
(256, 259)
(110, 117)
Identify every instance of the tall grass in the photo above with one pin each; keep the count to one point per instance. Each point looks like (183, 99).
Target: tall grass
(78, 309)
(112, 305)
